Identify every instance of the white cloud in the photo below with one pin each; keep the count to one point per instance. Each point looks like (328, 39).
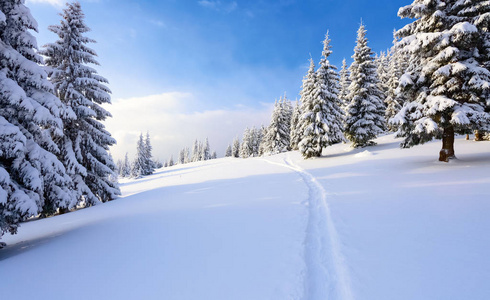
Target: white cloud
(57, 3)
(218, 5)
(173, 123)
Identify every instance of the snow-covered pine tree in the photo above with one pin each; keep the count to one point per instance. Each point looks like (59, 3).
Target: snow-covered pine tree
(126, 167)
(365, 112)
(447, 81)
(394, 100)
(382, 68)
(138, 168)
(181, 159)
(344, 86)
(150, 167)
(86, 142)
(277, 139)
(321, 122)
(171, 161)
(228, 151)
(235, 150)
(32, 179)
(206, 151)
(256, 140)
(214, 155)
(187, 155)
(247, 144)
(295, 137)
(195, 151)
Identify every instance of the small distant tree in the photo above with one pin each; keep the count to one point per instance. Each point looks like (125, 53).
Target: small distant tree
(228, 152)
(235, 151)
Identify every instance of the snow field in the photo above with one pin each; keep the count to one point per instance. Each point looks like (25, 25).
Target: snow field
(372, 223)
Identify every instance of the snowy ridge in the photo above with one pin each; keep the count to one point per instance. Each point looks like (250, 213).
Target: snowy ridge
(327, 275)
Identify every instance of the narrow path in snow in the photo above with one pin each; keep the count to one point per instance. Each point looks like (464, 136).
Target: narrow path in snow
(327, 275)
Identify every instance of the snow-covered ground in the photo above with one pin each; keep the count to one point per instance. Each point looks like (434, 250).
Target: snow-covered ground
(373, 223)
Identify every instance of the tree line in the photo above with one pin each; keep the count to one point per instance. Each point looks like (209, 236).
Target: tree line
(434, 82)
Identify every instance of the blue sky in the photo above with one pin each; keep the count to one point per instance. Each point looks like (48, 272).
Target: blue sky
(188, 60)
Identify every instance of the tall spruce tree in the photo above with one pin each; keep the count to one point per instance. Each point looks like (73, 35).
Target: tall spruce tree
(295, 137)
(365, 112)
(344, 86)
(235, 151)
(322, 118)
(246, 148)
(32, 179)
(86, 143)
(394, 100)
(277, 139)
(447, 81)
(228, 151)
(150, 165)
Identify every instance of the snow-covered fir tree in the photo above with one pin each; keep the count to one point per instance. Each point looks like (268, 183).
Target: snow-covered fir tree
(205, 150)
(295, 137)
(86, 142)
(382, 62)
(344, 86)
(322, 116)
(195, 151)
(32, 178)
(170, 161)
(235, 150)
(365, 112)
(394, 100)
(262, 144)
(181, 159)
(257, 136)
(277, 139)
(246, 148)
(150, 166)
(214, 155)
(126, 167)
(447, 82)
(138, 167)
(228, 151)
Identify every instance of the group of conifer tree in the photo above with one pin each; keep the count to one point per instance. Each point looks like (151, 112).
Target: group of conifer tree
(433, 83)
(143, 164)
(53, 147)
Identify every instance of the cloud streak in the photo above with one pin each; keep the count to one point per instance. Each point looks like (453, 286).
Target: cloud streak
(218, 5)
(57, 3)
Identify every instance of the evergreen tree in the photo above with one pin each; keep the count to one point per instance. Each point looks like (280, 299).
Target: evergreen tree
(382, 69)
(393, 99)
(149, 167)
(86, 142)
(214, 155)
(195, 151)
(263, 143)
(294, 130)
(32, 178)
(181, 159)
(171, 161)
(365, 113)
(126, 167)
(256, 140)
(277, 139)
(235, 151)
(206, 151)
(140, 162)
(322, 118)
(228, 152)
(344, 86)
(246, 149)
(187, 155)
(447, 82)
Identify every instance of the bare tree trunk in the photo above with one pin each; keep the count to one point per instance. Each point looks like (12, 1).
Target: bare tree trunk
(447, 151)
(478, 135)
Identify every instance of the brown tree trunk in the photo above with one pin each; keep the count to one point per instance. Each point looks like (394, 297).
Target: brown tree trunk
(478, 135)
(447, 151)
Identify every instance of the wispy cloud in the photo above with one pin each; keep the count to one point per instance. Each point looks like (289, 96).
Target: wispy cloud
(222, 6)
(57, 3)
(158, 23)
(174, 124)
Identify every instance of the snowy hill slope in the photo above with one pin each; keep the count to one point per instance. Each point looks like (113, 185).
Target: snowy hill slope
(372, 223)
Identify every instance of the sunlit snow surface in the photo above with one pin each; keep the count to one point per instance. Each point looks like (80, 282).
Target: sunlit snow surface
(372, 223)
